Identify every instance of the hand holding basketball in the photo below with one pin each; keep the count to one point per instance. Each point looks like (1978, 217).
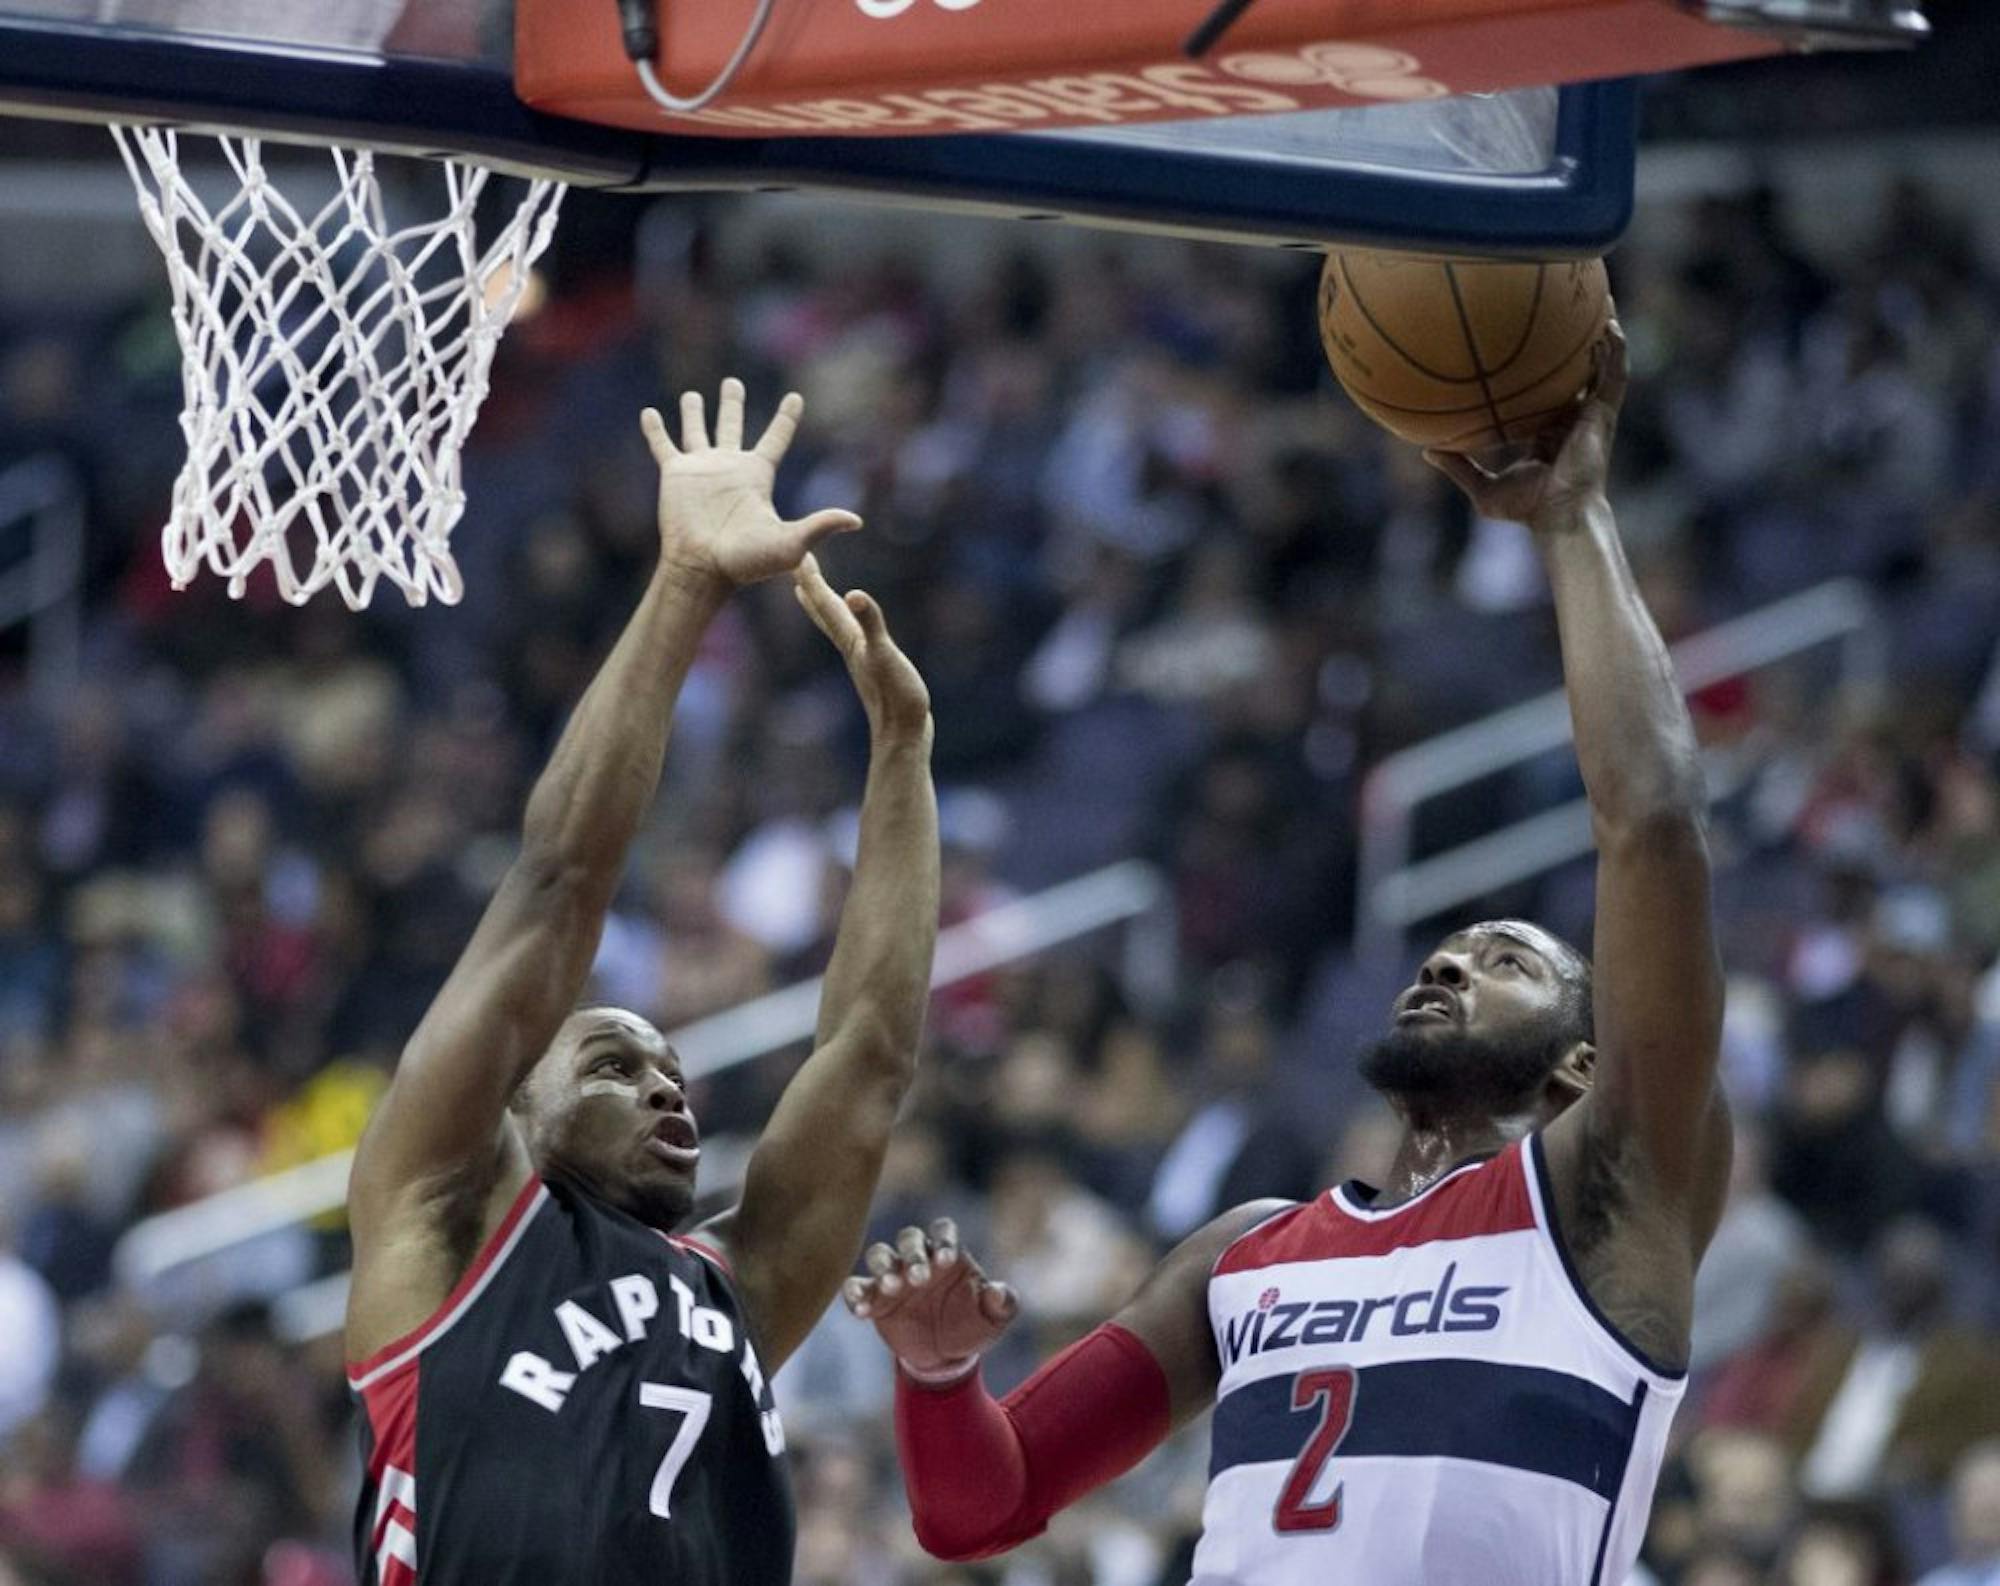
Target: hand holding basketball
(1551, 489)
(892, 690)
(934, 1308)
(716, 516)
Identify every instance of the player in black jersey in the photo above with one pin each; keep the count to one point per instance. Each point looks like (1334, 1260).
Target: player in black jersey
(556, 1388)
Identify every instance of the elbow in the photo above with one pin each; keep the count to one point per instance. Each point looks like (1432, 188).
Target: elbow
(558, 882)
(963, 1546)
(1675, 823)
(881, 1045)
(1665, 800)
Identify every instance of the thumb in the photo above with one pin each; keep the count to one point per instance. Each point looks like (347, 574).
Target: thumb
(998, 1303)
(823, 525)
(1460, 470)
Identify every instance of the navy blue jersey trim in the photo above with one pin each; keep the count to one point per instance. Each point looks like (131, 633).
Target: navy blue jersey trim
(1547, 1422)
(1539, 1157)
(1611, 1514)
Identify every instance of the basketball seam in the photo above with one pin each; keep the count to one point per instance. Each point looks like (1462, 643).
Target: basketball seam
(1522, 418)
(1472, 351)
(1527, 323)
(1504, 396)
(1397, 347)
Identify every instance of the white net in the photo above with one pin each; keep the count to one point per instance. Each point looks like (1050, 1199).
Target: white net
(334, 364)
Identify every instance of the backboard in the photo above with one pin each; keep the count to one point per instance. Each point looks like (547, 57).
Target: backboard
(1542, 171)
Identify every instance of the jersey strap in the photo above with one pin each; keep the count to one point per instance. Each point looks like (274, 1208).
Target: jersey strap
(492, 1256)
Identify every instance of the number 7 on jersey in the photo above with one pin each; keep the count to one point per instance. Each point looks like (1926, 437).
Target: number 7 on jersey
(693, 1406)
(1332, 1389)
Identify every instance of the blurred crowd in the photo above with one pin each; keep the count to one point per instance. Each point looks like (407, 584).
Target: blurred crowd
(1173, 597)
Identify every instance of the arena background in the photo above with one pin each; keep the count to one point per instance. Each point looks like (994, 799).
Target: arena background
(1176, 603)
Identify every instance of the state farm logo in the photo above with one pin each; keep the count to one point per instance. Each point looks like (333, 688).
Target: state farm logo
(882, 10)
(1366, 70)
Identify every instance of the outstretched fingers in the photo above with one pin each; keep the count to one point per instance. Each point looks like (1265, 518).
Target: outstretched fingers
(658, 441)
(830, 614)
(777, 436)
(868, 617)
(729, 416)
(694, 423)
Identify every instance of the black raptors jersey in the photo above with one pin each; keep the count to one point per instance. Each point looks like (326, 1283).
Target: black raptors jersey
(585, 1409)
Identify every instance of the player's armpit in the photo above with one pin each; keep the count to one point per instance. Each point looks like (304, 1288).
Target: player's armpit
(439, 1128)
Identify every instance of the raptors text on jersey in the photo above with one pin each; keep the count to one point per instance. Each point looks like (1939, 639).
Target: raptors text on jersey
(586, 1407)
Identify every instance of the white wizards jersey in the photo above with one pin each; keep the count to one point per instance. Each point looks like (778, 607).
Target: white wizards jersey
(1425, 1396)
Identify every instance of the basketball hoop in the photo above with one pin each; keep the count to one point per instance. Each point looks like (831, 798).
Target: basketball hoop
(333, 367)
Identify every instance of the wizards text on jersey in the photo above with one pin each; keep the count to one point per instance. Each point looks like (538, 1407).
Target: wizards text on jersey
(1278, 1323)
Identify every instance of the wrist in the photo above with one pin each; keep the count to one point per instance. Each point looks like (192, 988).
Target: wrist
(688, 579)
(902, 738)
(1573, 516)
(942, 1376)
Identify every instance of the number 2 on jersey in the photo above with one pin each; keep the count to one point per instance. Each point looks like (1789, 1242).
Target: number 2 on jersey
(1332, 1389)
(692, 1404)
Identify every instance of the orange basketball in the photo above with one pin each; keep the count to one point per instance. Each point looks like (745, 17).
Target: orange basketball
(1461, 354)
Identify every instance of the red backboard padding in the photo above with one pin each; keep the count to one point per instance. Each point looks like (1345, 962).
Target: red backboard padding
(899, 67)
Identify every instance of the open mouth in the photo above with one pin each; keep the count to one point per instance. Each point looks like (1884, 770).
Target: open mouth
(674, 1140)
(1428, 1005)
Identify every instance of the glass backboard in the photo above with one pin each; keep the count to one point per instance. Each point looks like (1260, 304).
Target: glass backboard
(1540, 171)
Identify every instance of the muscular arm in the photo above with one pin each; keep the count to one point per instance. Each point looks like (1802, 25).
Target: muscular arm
(1654, 1105)
(1658, 1005)
(806, 1192)
(985, 1475)
(439, 1129)
(438, 1151)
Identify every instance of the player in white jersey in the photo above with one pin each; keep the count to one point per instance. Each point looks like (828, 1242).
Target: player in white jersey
(1467, 1374)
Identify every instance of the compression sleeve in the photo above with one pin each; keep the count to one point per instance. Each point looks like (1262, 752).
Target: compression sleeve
(984, 1475)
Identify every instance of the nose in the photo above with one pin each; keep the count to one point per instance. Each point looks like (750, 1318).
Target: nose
(663, 1095)
(1445, 969)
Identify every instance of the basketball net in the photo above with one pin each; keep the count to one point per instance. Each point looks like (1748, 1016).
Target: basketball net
(333, 367)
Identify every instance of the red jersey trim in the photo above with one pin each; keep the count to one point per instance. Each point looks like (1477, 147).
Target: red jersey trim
(361, 1374)
(702, 1247)
(1473, 1202)
(390, 1404)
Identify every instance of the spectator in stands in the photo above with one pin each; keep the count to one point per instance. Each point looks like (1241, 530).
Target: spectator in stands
(1910, 1392)
(1975, 1521)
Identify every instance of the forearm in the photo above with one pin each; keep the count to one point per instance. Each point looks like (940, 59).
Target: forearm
(589, 802)
(1635, 741)
(984, 1476)
(878, 981)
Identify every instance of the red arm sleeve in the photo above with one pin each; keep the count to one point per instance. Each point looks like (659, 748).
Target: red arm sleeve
(984, 1475)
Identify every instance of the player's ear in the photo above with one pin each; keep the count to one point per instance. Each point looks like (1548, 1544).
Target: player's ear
(1574, 1074)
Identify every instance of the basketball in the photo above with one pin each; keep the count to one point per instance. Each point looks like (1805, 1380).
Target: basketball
(1461, 354)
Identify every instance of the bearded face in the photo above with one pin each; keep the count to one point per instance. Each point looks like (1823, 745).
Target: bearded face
(1461, 1070)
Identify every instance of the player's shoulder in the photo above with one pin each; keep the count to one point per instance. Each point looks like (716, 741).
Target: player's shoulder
(1207, 1245)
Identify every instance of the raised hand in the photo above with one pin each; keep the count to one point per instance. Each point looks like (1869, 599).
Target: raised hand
(933, 1307)
(716, 516)
(891, 689)
(1550, 490)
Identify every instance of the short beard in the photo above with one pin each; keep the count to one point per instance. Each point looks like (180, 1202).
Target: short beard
(1462, 1073)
